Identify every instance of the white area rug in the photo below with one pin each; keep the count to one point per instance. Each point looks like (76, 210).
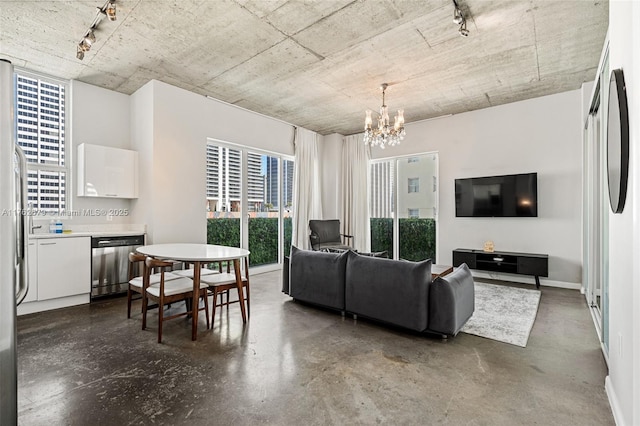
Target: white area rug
(503, 313)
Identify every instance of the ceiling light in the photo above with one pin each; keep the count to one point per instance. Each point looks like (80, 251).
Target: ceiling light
(85, 45)
(457, 16)
(90, 38)
(111, 11)
(384, 134)
(460, 19)
(108, 10)
(464, 32)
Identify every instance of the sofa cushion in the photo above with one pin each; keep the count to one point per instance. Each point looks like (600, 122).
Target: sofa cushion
(388, 290)
(317, 277)
(452, 301)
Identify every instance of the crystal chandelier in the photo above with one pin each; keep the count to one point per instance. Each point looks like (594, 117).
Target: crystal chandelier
(384, 134)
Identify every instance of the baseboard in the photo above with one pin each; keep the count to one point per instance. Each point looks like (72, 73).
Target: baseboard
(525, 279)
(613, 402)
(47, 305)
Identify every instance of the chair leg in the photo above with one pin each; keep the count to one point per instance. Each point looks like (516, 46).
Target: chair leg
(206, 306)
(144, 311)
(160, 318)
(129, 303)
(248, 300)
(213, 309)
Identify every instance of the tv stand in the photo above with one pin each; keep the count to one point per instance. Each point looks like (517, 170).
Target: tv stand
(504, 261)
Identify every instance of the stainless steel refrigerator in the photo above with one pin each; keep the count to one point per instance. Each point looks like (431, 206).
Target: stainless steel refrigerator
(13, 250)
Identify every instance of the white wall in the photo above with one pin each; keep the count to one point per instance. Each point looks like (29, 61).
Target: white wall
(623, 383)
(142, 141)
(100, 117)
(182, 122)
(542, 135)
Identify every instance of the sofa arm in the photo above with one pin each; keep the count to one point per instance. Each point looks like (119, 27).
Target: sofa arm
(451, 301)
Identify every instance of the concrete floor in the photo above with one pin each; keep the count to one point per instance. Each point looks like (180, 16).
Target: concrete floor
(295, 364)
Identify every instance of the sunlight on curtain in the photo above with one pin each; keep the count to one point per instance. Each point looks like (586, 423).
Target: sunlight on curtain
(307, 197)
(355, 183)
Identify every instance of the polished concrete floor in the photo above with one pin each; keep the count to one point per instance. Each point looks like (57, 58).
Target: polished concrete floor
(298, 365)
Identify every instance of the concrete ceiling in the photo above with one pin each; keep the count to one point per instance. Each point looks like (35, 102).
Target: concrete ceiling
(319, 63)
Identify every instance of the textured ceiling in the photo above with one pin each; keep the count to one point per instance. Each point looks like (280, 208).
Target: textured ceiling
(318, 64)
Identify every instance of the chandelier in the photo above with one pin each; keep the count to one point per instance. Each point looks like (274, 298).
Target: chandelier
(384, 134)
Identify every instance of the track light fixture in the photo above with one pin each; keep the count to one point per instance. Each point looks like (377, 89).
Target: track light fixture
(111, 10)
(464, 32)
(90, 38)
(84, 45)
(457, 15)
(459, 19)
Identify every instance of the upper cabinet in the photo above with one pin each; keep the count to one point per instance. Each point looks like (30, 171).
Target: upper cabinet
(107, 172)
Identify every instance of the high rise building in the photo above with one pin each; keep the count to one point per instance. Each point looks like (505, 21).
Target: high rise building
(40, 131)
(224, 179)
(271, 185)
(381, 189)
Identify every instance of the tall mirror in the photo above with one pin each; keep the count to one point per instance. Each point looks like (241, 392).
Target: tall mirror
(617, 141)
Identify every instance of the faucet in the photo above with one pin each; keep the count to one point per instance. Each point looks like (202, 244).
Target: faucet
(31, 225)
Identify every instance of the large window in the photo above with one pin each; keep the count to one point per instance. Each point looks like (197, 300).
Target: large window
(403, 215)
(248, 201)
(40, 105)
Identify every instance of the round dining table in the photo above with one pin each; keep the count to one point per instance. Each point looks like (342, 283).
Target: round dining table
(199, 254)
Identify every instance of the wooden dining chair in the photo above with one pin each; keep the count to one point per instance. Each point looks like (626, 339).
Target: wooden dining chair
(188, 270)
(169, 291)
(136, 274)
(221, 283)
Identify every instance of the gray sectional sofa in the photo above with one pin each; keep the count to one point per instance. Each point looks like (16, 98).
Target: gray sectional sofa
(392, 291)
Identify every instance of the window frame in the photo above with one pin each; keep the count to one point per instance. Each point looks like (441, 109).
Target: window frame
(413, 183)
(245, 150)
(65, 154)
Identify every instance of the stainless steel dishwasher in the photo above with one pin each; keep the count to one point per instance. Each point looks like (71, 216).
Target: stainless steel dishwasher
(110, 263)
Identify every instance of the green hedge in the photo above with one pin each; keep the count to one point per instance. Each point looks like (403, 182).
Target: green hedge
(417, 242)
(263, 233)
(418, 239)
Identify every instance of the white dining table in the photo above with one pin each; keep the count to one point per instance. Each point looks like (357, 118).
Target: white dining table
(197, 254)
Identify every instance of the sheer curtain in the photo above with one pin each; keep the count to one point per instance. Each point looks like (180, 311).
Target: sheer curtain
(307, 199)
(355, 188)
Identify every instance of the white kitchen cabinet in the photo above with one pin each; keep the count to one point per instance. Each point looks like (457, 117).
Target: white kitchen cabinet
(64, 267)
(104, 171)
(32, 258)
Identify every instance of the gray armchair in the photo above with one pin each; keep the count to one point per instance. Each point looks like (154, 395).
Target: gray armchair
(325, 235)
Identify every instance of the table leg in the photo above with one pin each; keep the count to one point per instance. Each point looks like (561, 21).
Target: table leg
(194, 303)
(236, 268)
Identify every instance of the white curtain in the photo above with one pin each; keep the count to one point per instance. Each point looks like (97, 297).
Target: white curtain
(307, 197)
(355, 189)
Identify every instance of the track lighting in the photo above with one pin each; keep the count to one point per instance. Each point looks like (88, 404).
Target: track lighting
(108, 10)
(457, 16)
(464, 32)
(111, 10)
(459, 19)
(90, 38)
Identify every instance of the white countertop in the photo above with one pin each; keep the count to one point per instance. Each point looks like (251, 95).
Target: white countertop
(98, 230)
(86, 234)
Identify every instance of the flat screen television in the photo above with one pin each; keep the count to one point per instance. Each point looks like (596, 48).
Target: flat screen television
(498, 196)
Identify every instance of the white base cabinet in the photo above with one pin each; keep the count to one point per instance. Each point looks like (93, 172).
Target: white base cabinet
(59, 273)
(64, 267)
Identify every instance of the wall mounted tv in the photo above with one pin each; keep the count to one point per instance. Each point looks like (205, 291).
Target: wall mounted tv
(498, 196)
